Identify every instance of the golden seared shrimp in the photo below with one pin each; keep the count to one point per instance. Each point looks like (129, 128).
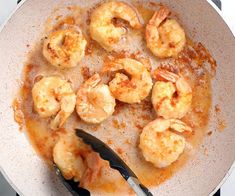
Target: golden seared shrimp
(64, 48)
(130, 89)
(103, 30)
(171, 97)
(94, 165)
(159, 145)
(94, 101)
(75, 159)
(53, 96)
(164, 36)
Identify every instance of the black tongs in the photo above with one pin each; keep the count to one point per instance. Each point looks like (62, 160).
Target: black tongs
(115, 162)
(73, 187)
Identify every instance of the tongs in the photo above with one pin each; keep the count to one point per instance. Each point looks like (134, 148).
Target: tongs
(115, 162)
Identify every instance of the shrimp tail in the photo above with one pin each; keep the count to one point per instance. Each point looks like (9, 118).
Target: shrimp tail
(112, 66)
(93, 81)
(159, 16)
(164, 75)
(151, 33)
(179, 126)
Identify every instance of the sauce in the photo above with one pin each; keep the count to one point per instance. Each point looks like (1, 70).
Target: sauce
(18, 114)
(121, 131)
(69, 20)
(145, 13)
(221, 123)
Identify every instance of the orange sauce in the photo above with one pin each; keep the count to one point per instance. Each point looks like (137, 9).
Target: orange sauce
(145, 13)
(221, 123)
(69, 20)
(18, 114)
(85, 72)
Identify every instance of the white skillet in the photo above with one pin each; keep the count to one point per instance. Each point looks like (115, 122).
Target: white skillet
(202, 175)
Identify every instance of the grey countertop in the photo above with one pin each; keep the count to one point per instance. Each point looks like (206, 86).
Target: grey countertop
(5, 188)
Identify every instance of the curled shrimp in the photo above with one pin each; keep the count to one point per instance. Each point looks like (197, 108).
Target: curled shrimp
(134, 88)
(76, 160)
(159, 145)
(103, 30)
(172, 96)
(54, 96)
(64, 48)
(94, 101)
(164, 36)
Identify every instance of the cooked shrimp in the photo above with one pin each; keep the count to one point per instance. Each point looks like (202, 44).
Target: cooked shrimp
(67, 157)
(164, 36)
(172, 97)
(76, 160)
(94, 164)
(94, 101)
(127, 90)
(64, 48)
(103, 30)
(160, 146)
(54, 96)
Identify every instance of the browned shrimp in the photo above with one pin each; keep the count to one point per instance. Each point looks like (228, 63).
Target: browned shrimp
(103, 30)
(164, 36)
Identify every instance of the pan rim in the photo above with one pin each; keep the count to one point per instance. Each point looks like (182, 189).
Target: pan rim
(231, 169)
(1, 29)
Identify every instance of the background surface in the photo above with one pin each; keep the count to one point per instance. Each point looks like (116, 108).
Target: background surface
(228, 14)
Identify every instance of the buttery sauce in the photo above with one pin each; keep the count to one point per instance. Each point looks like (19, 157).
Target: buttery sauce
(121, 131)
(221, 123)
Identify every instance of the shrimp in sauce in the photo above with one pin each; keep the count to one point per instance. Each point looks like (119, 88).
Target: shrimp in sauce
(164, 36)
(171, 95)
(76, 160)
(53, 96)
(133, 89)
(94, 103)
(104, 31)
(159, 145)
(64, 48)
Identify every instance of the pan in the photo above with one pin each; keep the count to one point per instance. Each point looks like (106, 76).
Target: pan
(212, 160)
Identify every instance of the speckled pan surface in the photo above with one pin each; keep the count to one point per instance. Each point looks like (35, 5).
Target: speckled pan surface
(200, 176)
